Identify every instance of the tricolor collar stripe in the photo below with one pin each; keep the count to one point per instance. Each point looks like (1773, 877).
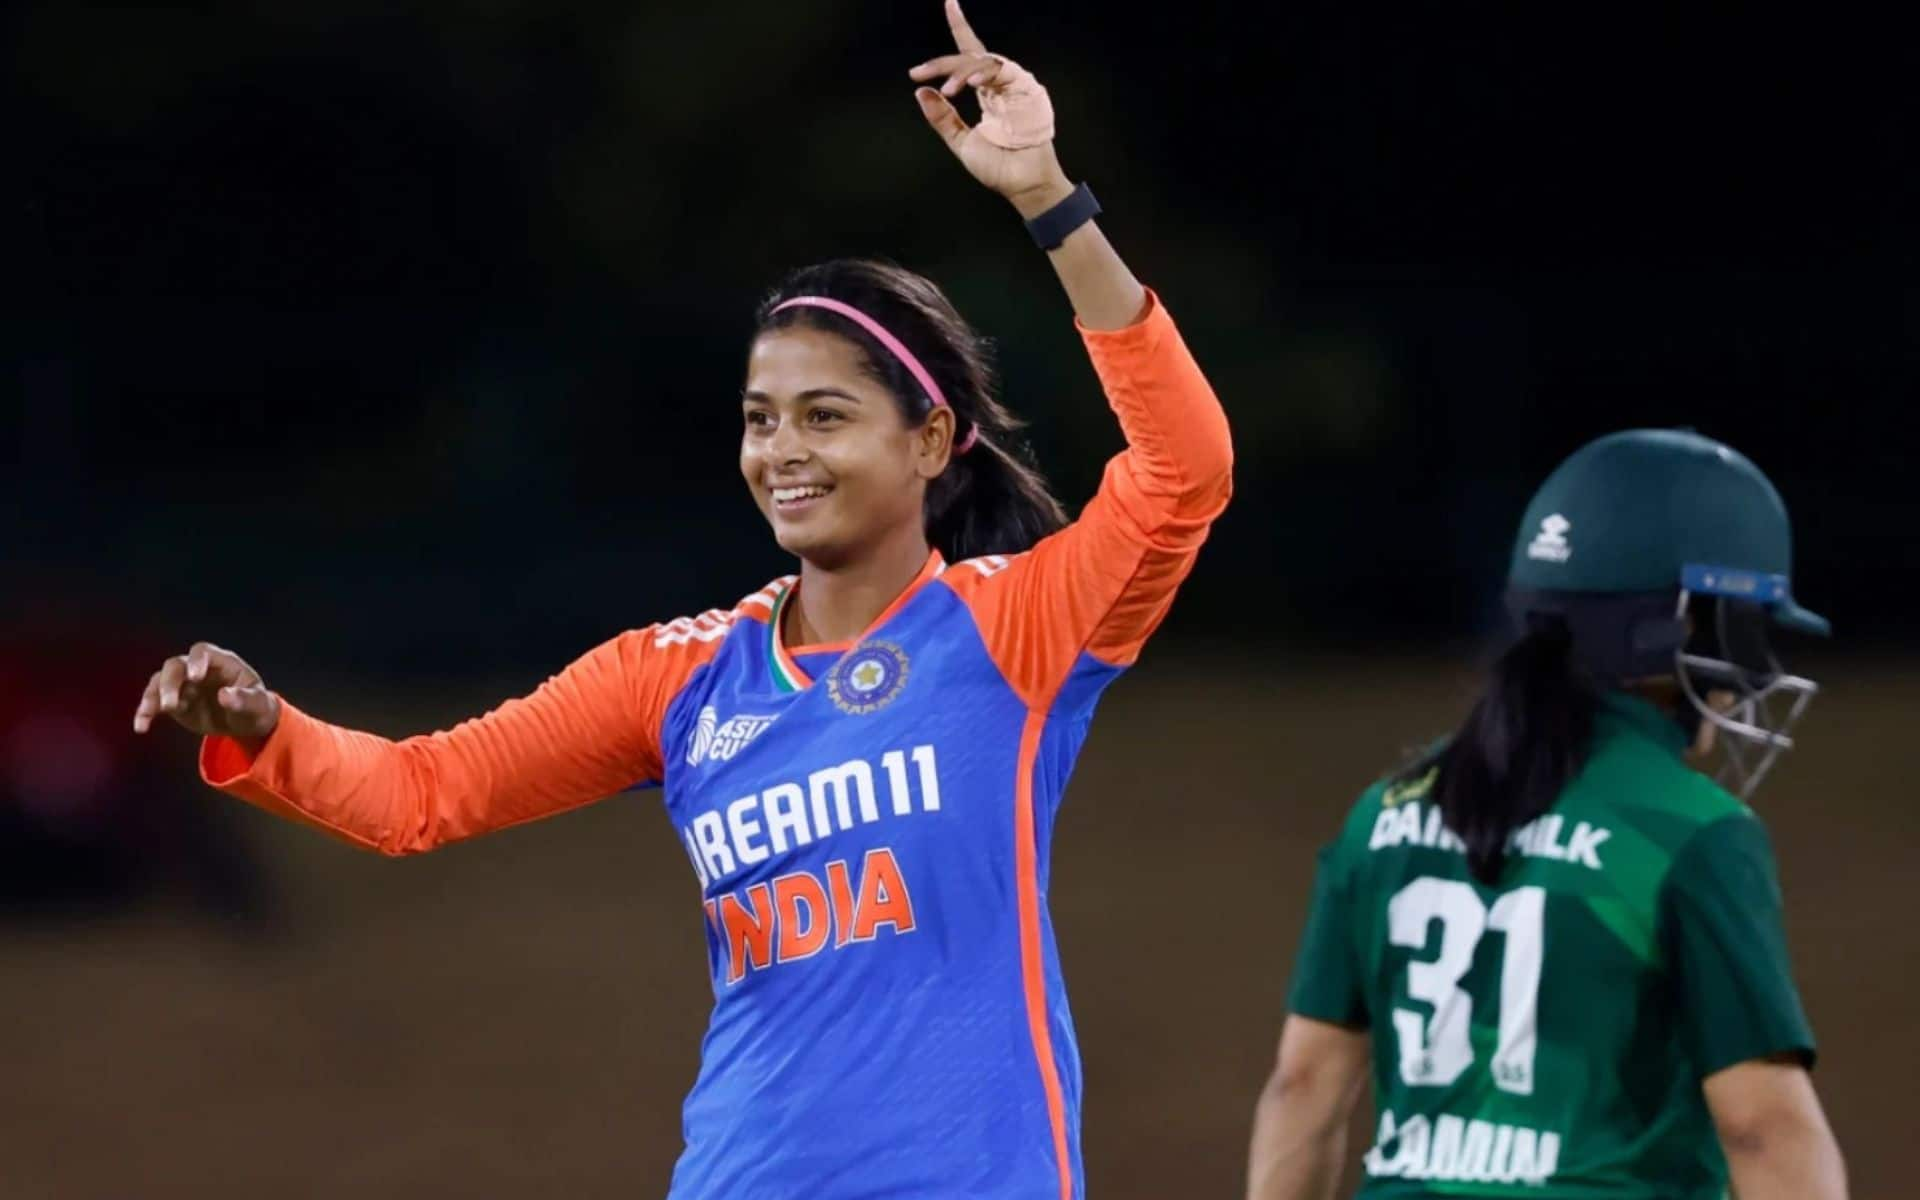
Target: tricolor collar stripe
(787, 675)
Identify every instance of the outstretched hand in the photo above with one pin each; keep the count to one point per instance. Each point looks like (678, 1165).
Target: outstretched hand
(211, 692)
(1011, 149)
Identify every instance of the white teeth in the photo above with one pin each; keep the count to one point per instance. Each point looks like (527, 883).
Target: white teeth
(786, 495)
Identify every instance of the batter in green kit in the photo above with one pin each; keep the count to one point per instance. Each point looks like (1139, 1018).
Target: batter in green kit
(1655, 891)
(1553, 943)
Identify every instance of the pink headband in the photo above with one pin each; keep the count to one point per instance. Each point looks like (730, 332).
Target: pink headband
(894, 346)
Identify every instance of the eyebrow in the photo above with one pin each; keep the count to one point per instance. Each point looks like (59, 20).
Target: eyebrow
(819, 393)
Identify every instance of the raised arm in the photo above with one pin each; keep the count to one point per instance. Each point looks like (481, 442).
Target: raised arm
(1011, 151)
(589, 731)
(1104, 584)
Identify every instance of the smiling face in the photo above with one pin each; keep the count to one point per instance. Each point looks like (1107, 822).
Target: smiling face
(826, 452)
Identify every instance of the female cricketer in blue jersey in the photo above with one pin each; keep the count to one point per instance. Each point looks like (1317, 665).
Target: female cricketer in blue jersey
(864, 761)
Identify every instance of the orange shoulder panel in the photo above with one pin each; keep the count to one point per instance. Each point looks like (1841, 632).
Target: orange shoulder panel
(1103, 584)
(585, 733)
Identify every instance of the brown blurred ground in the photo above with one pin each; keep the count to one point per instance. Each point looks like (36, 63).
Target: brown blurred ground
(519, 1016)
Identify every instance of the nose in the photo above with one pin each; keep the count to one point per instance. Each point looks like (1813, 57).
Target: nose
(786, 445)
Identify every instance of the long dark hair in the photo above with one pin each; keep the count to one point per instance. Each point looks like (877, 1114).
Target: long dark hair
(990, 500)
(1526, 736)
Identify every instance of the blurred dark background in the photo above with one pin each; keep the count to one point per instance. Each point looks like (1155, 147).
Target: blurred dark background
(396, 346)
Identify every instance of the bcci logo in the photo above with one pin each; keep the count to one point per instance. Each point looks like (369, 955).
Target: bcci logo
(720, 740)
(1550, 544)
(868, 678)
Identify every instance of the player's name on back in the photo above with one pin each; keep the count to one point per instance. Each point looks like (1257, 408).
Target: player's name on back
(1468, 1151)
(1412, 824)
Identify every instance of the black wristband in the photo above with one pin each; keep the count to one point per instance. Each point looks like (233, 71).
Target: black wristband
(1051, 227)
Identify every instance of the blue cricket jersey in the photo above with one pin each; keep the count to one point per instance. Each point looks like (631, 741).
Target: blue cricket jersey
(870, 824)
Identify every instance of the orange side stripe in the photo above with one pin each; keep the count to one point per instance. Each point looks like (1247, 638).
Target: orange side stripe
(1033, 974)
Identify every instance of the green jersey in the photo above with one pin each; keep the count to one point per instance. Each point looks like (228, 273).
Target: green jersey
(1547, 1036)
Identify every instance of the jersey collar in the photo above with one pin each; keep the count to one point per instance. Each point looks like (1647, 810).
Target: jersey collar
(1623, 713)
(783, 661)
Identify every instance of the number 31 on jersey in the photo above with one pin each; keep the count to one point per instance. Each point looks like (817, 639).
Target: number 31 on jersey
(1435, 1050)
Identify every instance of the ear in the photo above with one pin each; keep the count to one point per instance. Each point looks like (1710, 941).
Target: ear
(933, 442)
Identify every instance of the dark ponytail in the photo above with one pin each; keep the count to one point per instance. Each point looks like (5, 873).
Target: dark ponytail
(1524, 740)
(990, 500)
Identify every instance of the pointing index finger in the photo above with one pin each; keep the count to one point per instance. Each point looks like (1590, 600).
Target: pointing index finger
(963, 35)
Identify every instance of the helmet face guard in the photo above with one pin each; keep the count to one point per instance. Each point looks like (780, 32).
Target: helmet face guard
(1712, 639)
(1668, 555)
(1729, 653)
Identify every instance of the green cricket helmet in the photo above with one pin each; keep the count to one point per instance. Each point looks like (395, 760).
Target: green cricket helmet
(1665, 553)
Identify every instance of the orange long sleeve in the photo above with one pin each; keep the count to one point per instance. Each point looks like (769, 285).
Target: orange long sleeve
(1103, 584)
(589, 731)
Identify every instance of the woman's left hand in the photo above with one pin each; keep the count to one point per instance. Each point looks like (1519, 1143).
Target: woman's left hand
(1011, 149)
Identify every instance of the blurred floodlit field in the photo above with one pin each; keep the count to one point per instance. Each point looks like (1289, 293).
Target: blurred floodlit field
(520, 1015)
